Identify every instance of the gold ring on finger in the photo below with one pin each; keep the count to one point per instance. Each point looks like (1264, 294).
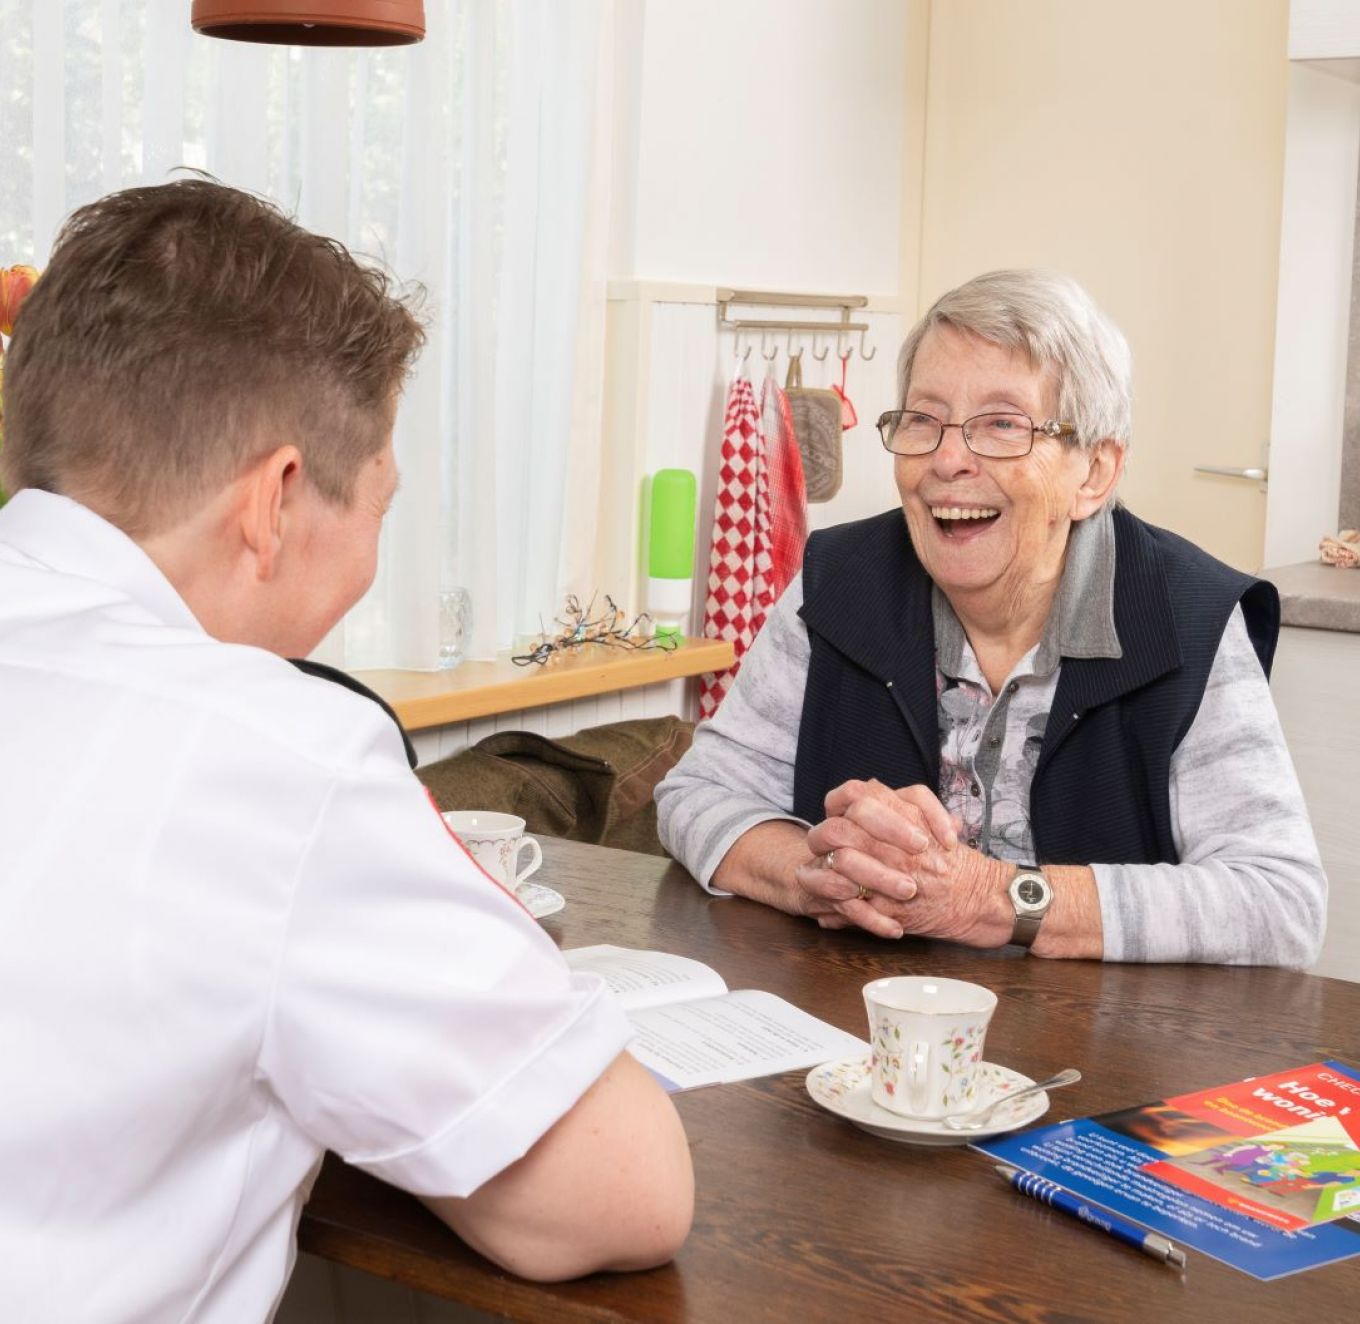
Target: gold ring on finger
(863, 892)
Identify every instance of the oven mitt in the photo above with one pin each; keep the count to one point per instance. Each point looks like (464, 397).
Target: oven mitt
(817, 426)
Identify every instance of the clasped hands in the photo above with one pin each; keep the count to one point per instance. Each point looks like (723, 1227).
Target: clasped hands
(890, 861)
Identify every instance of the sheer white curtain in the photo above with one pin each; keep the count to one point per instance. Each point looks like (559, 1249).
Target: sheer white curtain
(475, 163)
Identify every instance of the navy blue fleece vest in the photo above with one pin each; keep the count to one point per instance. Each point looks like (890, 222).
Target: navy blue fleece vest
(1100, 790)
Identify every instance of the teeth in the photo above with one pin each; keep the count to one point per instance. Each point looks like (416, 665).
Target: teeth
(962, 512)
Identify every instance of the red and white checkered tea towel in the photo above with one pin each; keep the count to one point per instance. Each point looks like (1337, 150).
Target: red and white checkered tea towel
(788, 492)
(739, 564)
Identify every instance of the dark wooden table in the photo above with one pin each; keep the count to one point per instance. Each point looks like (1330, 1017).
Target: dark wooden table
(801, 1216)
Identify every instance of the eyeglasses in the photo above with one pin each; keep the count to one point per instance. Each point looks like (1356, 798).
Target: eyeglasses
(994, 436)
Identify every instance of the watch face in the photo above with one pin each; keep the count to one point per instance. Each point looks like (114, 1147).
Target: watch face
(1031, 891)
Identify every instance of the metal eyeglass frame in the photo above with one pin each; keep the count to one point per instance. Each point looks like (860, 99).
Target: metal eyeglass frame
(1049, 428)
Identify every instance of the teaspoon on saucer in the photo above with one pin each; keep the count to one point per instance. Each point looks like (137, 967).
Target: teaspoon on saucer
(977, 1119)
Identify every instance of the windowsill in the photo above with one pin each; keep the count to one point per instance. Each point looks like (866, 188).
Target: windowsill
(423, 699)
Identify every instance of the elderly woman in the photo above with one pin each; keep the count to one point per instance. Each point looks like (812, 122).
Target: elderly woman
(1020, 714)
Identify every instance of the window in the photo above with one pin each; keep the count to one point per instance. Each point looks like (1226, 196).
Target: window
(412, 155)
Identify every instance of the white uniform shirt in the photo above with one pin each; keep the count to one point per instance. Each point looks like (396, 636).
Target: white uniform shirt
(233, 932)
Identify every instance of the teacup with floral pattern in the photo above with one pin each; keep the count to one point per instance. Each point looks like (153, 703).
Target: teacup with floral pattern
(495, 841)
(927, 1036)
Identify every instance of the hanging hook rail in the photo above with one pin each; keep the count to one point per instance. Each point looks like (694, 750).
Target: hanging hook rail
(846, 303)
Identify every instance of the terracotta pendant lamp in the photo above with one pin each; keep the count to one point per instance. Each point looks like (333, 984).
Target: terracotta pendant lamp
(312, 22)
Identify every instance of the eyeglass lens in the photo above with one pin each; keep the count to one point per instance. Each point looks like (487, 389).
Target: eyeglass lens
(999, 435)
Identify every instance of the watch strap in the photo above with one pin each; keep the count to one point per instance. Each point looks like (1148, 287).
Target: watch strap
(1027, 922)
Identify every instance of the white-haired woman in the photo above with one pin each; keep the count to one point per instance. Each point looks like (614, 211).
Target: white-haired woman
(1020, 715)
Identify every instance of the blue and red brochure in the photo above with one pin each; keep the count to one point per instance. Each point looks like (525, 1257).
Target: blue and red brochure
(1242, 1172)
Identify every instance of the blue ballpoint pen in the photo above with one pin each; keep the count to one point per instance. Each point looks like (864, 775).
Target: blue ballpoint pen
(1038, 1188)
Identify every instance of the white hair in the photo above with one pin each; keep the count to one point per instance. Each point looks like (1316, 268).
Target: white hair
(1056, 324)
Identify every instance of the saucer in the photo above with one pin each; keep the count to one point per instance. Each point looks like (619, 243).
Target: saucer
(843, 1087)
(540, 901)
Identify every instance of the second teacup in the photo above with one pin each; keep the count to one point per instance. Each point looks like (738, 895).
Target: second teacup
(927, 1036)
(495, 841)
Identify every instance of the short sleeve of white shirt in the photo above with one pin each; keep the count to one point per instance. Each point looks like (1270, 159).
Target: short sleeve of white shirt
(421, 1024)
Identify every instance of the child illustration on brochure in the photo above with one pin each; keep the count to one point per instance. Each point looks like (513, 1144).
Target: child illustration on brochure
(1290, 1176)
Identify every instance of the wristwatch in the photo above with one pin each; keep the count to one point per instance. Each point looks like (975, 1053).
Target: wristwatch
(1031, 894)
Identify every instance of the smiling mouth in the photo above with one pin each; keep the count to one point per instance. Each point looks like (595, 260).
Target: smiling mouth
(964, 521)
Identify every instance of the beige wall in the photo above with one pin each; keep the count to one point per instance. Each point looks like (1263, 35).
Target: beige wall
(1139, 146)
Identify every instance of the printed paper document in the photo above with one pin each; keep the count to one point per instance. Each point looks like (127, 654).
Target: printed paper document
(691, 1031)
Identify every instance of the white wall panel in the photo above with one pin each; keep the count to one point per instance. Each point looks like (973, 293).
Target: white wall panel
(767, 146)
(560, 720)
(428, 744)
(452, 738)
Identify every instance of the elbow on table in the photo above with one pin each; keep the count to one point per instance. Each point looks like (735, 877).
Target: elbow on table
(1289, 933)
(658, 1238)
(1301, 943)
(644, 1232)
(1303, 950)
(650, 1239)
(609, 1187)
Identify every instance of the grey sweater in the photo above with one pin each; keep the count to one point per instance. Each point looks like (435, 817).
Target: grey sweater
(1249, 889)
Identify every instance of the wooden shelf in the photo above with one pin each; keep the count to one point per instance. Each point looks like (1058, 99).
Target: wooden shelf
(481, 689)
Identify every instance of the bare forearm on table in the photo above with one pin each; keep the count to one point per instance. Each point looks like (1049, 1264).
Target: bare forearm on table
(761, 863)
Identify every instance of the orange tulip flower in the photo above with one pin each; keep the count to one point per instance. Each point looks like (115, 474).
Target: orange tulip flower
(15, 283)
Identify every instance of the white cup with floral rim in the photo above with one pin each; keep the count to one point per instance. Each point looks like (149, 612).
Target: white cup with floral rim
(927, 1036)
(496, 841)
